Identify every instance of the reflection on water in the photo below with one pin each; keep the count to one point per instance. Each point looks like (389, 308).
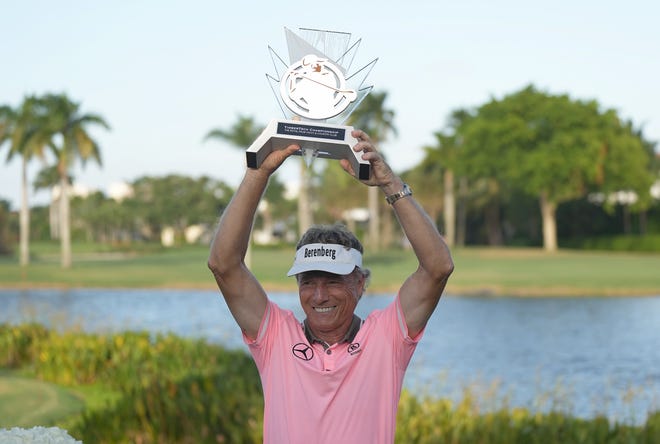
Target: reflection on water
(585, 355)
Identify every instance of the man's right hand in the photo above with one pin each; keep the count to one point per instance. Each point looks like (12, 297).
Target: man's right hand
(276, 158)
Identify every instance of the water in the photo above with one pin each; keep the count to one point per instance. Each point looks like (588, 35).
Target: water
(585, 356)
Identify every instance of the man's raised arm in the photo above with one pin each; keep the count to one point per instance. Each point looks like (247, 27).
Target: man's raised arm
(421, 291)
(244, 295)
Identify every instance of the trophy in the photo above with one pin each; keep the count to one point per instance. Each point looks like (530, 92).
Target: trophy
(316, 93)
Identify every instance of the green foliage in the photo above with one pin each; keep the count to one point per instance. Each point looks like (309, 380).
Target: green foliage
(176, 390)
(338, 192)
(173, 389)
(176, 201)
(125, 361)
(552, 144)
(19, 344)
(373, 117)
(241, 134)
(429, 421)
(225, 405)
(551, 147)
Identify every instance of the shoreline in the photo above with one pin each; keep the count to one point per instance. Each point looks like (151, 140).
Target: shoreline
(451, 290)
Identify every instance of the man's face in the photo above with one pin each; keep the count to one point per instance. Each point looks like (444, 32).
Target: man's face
(329, 301)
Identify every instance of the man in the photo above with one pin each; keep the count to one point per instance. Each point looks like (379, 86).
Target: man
(333, 378)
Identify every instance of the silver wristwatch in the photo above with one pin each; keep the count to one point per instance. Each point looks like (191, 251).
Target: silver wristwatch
(406, 191)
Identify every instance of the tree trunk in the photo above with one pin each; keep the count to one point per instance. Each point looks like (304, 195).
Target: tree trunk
(449, 205)
(548, 213)
(493, 226)
(492, 215)
(643, 223)
(461, 211)
(267, 217)
(24, 219)
(627, 224)
(304, 207)
(387, 239)
(65, 223)
(54, 217)
(374, 218)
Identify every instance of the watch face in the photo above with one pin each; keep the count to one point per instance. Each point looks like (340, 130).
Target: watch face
(315, 88)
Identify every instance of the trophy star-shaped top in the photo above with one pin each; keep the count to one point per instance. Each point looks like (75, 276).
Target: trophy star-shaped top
(314, 85)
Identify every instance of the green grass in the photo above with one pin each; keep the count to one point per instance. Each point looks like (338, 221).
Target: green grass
(535, 272)
(498, 271)
(25, 402)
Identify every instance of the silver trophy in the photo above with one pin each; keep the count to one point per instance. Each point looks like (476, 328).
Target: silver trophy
(316, 93)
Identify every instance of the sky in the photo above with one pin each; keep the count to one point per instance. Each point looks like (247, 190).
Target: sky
(164, 73)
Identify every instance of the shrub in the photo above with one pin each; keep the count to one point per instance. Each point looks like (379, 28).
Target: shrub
(222, 406)
(18, 344)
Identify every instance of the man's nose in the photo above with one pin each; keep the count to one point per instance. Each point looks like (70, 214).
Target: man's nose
(320, 293)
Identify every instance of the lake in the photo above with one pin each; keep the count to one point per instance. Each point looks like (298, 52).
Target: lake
(585, 356)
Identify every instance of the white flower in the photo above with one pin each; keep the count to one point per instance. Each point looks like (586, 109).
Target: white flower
(36, 435)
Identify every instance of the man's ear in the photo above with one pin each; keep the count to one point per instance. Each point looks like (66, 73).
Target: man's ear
(362, 284)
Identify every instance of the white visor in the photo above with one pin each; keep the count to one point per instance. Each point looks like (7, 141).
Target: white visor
(333, 258)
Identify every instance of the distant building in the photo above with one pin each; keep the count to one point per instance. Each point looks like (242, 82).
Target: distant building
(75, 190)
(118, 191)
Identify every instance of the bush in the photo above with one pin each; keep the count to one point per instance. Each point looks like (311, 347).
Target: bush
(222, 406)
(429, 421)
(18, 344)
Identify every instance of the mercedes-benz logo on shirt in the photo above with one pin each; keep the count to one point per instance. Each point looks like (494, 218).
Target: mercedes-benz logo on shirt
(303, 351)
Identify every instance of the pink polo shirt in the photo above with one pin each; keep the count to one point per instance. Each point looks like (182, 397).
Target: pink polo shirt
(346, 394)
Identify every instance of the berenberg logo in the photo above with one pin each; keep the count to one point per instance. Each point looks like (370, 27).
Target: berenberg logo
(322, 252)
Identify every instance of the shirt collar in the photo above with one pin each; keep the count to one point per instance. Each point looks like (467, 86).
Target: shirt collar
(353, 329)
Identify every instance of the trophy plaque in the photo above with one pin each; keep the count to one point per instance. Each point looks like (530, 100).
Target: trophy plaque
(316, 93)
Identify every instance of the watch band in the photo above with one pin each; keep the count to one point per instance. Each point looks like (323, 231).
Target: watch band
(406, 191)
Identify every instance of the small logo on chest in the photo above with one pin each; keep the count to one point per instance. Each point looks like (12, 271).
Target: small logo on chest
(354, 348)
(303, 351)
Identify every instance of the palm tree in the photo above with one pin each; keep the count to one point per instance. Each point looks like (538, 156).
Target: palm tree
(373, 118)
(23, 129)
(48, 179)
(241, 135)
(442, 159)
(66, 122)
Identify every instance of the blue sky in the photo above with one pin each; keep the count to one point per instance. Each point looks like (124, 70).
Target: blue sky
(163, 73)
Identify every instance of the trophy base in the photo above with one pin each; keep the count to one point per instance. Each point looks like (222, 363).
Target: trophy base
(327, 141)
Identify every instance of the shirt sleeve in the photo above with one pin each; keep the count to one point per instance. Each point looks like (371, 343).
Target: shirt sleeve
(263, 326)
(262, 347)
(401, 322)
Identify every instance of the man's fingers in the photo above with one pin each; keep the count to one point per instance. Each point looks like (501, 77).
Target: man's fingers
(346, 165)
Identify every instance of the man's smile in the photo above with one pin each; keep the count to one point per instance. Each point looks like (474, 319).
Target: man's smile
(324, 309)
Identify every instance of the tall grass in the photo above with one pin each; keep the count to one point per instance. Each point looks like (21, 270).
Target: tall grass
(171, 389)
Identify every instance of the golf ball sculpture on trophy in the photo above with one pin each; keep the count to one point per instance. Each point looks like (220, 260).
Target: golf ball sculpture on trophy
(316, 93)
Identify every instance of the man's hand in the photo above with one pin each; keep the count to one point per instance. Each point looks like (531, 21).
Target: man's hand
(381, 174)
(276, 158)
